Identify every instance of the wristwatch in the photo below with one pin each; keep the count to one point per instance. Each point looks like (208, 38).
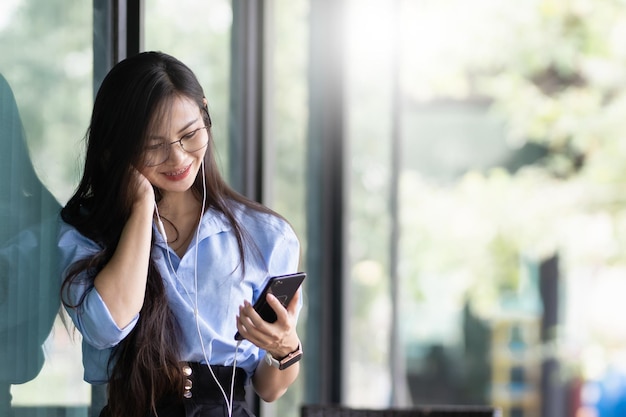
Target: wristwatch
(286, 361)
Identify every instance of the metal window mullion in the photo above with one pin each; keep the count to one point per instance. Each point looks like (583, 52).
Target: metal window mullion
(325, 205)
(118, 27)
(246, 99)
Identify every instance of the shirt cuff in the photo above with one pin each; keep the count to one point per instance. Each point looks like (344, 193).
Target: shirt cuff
(97, 325)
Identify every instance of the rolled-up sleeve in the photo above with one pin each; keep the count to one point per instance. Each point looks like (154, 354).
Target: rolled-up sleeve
(88, 311)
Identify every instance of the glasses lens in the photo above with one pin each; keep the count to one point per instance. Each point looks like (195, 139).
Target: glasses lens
(156, 154)
(195, 141)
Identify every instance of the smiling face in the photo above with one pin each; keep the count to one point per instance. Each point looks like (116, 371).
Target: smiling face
(178, 172)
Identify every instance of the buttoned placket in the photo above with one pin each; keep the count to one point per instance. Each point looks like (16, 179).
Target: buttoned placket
(187, 371)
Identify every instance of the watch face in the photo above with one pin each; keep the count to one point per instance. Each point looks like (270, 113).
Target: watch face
(290, 360)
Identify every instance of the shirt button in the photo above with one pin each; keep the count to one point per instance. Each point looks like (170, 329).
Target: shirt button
(187, 370)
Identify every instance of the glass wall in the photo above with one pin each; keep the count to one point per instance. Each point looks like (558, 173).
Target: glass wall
(485, 176)
(45, 100)
(503, 283)
(47, 63)
(285, 122)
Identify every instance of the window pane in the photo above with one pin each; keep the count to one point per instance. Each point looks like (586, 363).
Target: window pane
(369, 116)
(511, 215)
(285, 142)
(46, 94)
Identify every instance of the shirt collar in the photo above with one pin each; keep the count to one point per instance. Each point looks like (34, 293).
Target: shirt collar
(213, 222)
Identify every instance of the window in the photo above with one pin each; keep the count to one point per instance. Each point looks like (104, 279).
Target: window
(483, 179)
(504, 194)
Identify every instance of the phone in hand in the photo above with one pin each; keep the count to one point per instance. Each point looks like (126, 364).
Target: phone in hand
(283, 287)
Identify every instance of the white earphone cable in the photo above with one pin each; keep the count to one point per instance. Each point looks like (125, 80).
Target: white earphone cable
(194, 302)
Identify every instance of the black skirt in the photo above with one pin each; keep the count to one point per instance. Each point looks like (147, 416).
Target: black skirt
(202, 397)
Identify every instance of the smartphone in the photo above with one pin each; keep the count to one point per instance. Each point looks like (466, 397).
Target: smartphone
(283, 287)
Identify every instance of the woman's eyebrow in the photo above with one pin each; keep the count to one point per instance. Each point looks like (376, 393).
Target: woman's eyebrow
(187, 125)
(182, 129)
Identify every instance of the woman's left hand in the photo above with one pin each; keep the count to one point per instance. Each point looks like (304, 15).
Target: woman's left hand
(278, 338)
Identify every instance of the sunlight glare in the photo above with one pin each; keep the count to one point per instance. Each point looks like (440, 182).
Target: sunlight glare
(7, 9)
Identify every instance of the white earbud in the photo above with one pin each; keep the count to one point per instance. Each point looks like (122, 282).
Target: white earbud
(160, 223)
(162, 229)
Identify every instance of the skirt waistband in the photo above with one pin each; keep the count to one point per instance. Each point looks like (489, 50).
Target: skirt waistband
(201, 385)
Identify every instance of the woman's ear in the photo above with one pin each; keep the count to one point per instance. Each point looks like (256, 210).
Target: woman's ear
(206, 110)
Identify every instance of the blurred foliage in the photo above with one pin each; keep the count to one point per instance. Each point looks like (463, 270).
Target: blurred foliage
(554, 73)
(46, 56)
(286, 121)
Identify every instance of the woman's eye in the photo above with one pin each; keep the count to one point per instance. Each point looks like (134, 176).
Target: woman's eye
(190, 134)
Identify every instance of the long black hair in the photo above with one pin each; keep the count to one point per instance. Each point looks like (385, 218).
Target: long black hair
(134, 94)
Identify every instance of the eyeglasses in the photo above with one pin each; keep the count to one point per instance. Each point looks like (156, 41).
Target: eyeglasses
(157, 153)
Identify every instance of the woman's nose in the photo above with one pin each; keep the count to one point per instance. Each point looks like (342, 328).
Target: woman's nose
(177, 152)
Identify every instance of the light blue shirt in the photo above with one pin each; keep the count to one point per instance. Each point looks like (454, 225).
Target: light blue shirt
(221, 288)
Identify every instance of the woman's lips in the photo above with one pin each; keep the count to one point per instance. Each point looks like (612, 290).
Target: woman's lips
(178, 174)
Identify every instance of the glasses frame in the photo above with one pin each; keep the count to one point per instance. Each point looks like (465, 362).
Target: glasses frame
(180, 142)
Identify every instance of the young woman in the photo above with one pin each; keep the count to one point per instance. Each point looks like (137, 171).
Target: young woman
(161, 259)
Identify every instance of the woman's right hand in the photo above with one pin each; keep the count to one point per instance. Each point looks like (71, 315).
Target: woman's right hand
(144, 192)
